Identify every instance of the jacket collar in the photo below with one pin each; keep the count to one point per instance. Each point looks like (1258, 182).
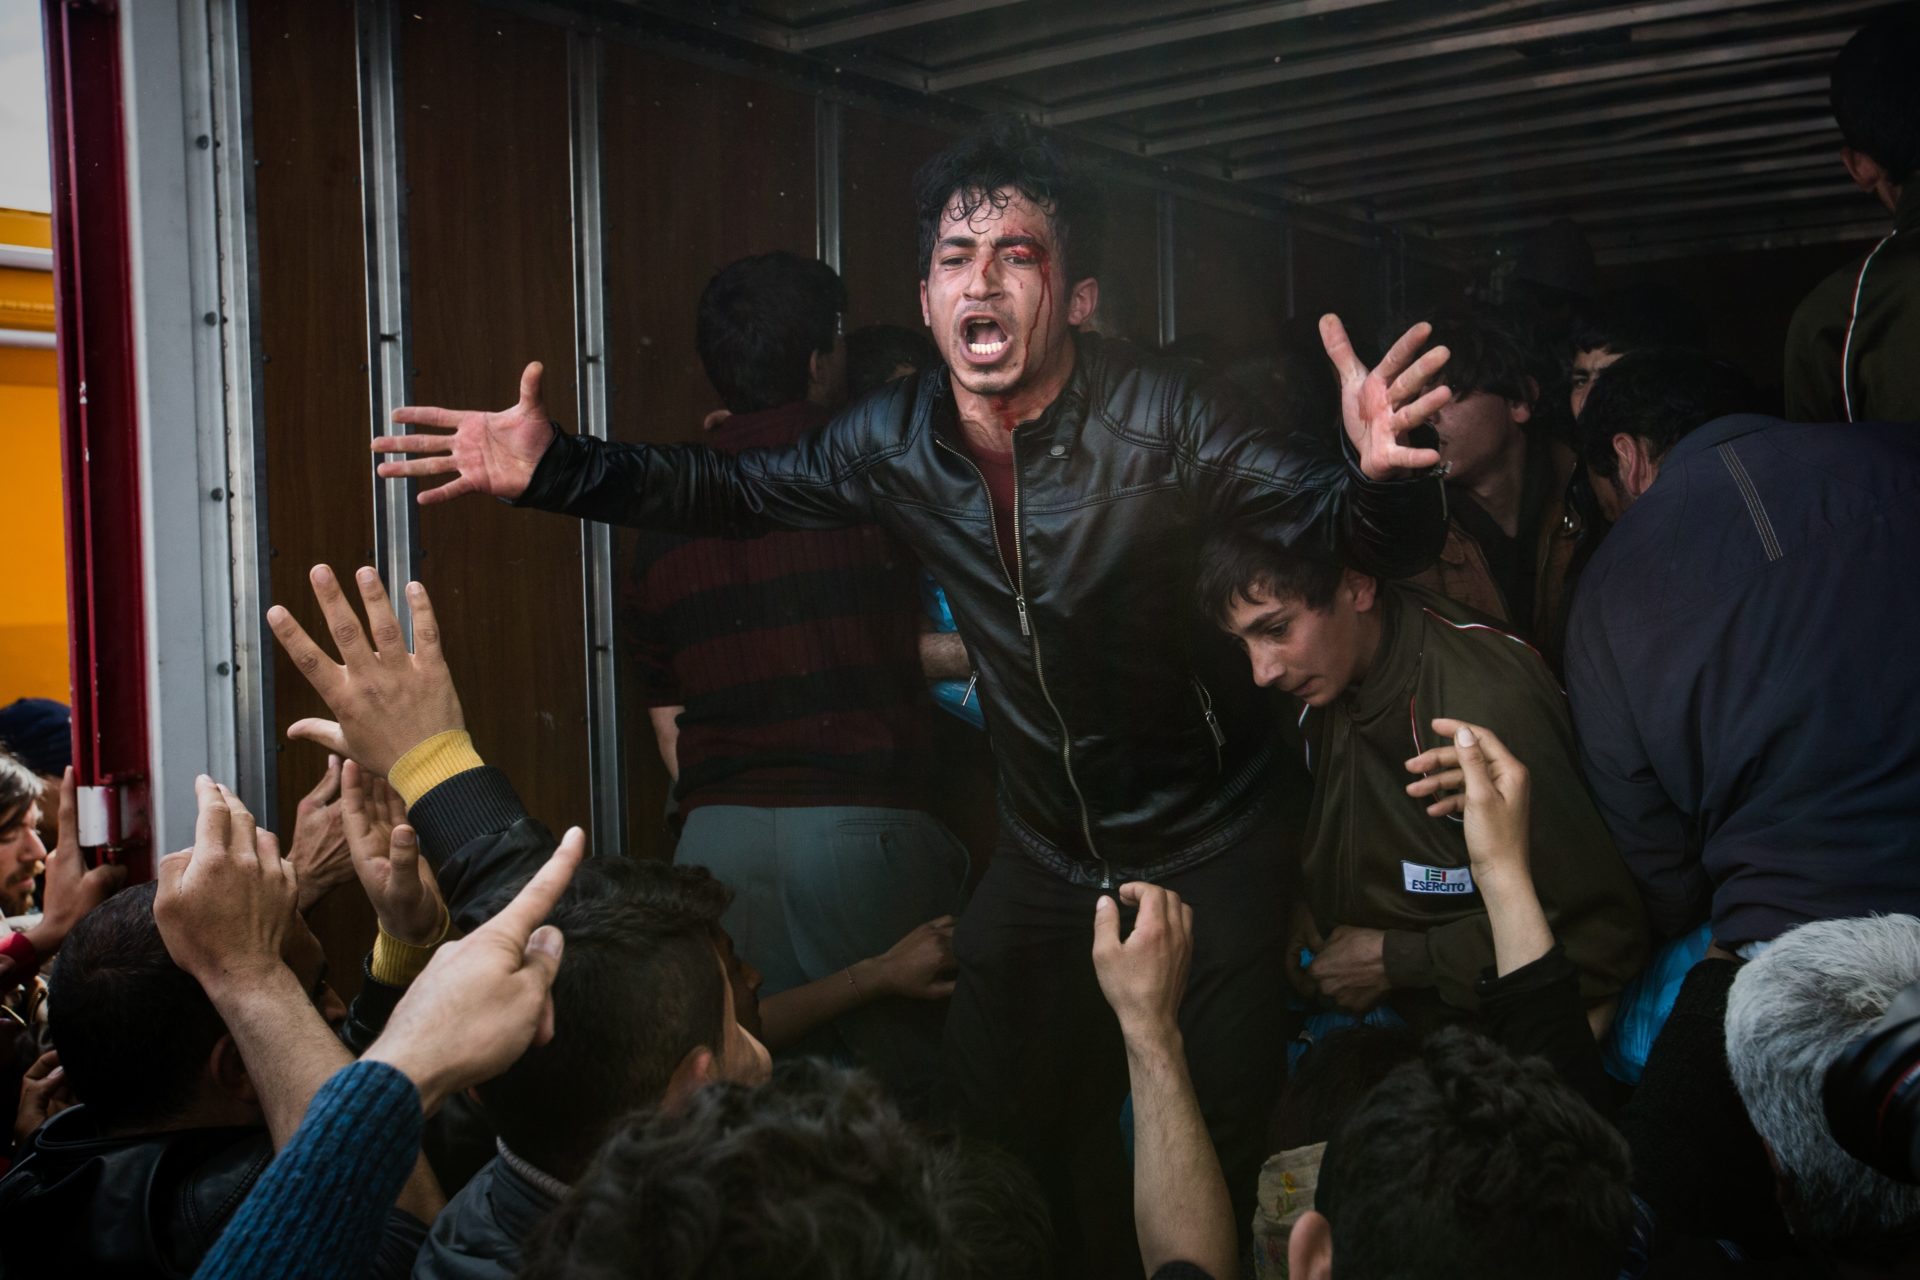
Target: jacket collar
(1906, 214)
(1384, 687)
(1715, 434)
(544, 1184)
(1068, 408)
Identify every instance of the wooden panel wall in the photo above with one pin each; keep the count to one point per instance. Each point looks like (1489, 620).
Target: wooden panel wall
(880, 260)
(1230, 278)
(701, 168)
(491, 253)
(313, 333)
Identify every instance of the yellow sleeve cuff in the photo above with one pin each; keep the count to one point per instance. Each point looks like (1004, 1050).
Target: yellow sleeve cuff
(397, 963)
(432, 762)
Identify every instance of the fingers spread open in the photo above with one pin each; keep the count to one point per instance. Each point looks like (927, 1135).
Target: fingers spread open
(448, 491)
(341, 622)
(1402, 352)
(530, 386)
(432, 465)
(426, 626)
(1418, 374)
(382, 624)
(1411, 416)
(1333, 336)
(419, 415)
(321, 671)
(324, 732)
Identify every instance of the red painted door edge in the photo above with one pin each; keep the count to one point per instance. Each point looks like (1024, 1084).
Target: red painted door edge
(99, 428)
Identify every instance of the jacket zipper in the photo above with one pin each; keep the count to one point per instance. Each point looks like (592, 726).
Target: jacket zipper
(1018, 583)
(1213, 725)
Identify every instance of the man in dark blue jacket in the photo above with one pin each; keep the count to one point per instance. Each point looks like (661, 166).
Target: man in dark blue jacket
(1740, 654)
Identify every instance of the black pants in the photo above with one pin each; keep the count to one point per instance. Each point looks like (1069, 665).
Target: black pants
(1034, 1060)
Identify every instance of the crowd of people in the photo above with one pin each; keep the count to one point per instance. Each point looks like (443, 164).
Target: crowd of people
(1458, 815)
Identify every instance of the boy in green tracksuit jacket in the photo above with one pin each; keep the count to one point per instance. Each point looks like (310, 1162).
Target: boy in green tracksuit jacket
(1389, 899)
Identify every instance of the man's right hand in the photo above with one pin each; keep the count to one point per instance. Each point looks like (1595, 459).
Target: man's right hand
(490, 453)
(224, 908)
(385, 700)
(1478, 778)
(1145, 976)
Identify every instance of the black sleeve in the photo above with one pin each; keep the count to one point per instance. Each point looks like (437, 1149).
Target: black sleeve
(1181, 1271)
(1537, 1011)
(367, 1017)
(479, 840)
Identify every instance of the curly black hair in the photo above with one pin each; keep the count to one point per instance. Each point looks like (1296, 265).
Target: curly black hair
(1008, 155)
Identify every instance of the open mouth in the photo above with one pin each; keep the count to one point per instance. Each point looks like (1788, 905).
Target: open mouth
(984, 336)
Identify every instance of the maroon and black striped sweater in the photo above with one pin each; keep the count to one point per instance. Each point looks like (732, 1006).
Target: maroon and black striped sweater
(796, 654)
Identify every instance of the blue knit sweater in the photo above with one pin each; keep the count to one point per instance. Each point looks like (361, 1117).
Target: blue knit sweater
(318, 1211)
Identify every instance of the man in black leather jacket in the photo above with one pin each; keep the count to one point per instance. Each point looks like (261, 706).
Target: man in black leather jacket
(1057, 487)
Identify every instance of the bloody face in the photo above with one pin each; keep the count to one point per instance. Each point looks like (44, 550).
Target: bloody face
(997, 297)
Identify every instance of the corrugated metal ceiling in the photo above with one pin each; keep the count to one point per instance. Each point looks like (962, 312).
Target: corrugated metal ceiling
(1662, 128)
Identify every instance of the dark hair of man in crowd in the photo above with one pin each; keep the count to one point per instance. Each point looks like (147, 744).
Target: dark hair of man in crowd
(1333, 1078)
(1009, 155)
(639, 988)
(1235, 567)
(812, 1176)
(759, 320)
(20, 786)
(1488, 353)
(877, 352)
(1876, 90)
(1659, 394)
(1468, 1164)
(997, 1224)
(133, 1029)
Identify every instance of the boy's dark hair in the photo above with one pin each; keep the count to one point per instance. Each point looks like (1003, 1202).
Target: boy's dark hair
(1235, 566)
(133, 1029)
(20, 786)
(1628, 321)
(1486, 352)
(1876, 91)
(874, 351)
(1467, 1164)
(759, 320)
(813, 1176)
(996, 1221)
(1008, 154)
(1659, 394)
(639, 987)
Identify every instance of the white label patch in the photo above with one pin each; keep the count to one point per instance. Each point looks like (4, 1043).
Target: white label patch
(1421, 879)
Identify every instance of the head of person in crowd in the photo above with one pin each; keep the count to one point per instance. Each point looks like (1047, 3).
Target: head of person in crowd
(643, 1013)
(1468, 1163)
(814, 1175)
(38, 732)
(995, 1214)
(1791, 1011)
(1293, 382)
(1619, 323)
(140, 1042)
(1334, 1077)
(1876, 102)
(769, 333)
(881, 353)
(1010, 239)
(1648, 400)
(1309, 625)
(1483, 429)
(23, 853)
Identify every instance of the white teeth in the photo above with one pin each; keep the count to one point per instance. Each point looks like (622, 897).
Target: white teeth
(987, 348)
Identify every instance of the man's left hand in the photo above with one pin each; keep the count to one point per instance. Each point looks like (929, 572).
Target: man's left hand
(1380, 405)
(224, 907)
(319, 850)
(72, 888)
(1351, 970)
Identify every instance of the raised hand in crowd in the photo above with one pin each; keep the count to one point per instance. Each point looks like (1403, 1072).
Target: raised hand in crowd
(386, 699)
(484, 999)
(72, 888)
(1380, 405)
(386, 856)
(490, 453)
(1479, 779)
(1180, 1204)
(44, 1094)
(318, 853)
(917, 967)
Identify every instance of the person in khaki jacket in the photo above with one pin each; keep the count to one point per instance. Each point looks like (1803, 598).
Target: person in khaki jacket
(1512, 529)
(1391, 909)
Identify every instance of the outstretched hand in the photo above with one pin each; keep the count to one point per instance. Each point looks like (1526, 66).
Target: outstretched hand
(1381, 405)
(484, 999)
(224, 907)
(318, 851)
(386, 699)
(490, 453)
(1145, 976)
(386, 856)
(1478, 777)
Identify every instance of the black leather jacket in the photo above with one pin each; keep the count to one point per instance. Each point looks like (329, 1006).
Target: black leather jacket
(1126, 732)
